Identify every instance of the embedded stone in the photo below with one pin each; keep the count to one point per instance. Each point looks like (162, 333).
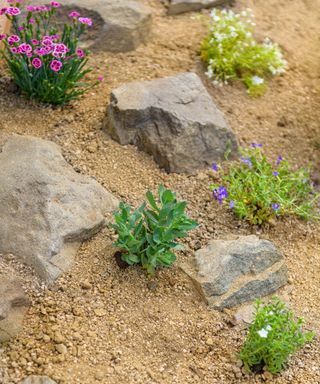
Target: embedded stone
(174, 119)
(231, 272)
(181, 6)
(47, 209)
(13, 307)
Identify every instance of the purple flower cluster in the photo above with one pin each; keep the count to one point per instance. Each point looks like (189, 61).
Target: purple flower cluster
(220, 194)
(255, 145)
(246, 161)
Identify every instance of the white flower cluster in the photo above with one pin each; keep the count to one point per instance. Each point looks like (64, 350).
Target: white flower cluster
(265, 331)
(231, 48)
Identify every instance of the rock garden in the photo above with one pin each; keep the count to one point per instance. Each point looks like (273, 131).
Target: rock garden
(159, 181)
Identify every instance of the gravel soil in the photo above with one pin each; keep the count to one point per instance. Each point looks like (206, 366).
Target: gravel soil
(100, 323)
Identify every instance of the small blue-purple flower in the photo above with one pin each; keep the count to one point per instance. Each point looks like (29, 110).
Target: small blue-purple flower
(255, 145)
(279, 159)
(246, 161)
(275, 173)
(220, 194)
(231, 204)
(215, 167)
(275, 206)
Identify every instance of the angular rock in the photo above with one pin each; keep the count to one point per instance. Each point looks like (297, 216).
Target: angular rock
(174, 119)
(118, 26)
(181, 6)
(13, 306)
(47, 209)
(230, 272)
(38, 380)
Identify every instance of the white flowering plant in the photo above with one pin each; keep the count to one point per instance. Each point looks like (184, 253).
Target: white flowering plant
(273, 336)
(231, 52)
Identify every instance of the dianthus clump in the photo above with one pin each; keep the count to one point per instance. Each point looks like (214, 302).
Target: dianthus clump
(231, 52)
(46, 64)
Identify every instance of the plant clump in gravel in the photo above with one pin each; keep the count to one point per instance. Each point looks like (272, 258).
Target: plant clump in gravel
(231, 52)
(273, 336)
(258, 191)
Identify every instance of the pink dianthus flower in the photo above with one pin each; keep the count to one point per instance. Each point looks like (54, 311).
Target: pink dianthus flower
(37, 63)
(85, 20)
(56, 65)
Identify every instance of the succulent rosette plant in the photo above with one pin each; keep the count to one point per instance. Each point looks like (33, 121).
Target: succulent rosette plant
(45, 64)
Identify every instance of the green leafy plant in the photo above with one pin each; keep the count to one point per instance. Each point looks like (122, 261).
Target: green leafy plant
(45, 64)
(148, 235)
(273, 336)
(258, 191)
(231, 52)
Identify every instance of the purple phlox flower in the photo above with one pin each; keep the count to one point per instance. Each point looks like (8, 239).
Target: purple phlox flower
(85, 20)
(220, 194)
(275, 173)
(37, 63)
(275, 206)
(246, 161)
(24, 48)
(32, 21)
(100, 78)
(35, 42)
(2, 36)
(80, 53)
(255, 145)
(29, 54)
(13, 39)
(30, 8)
(215, 167)
(14, 50)
(21, 28)
(231, 204)
(74, 14)
(13, 11)
(279, 159)
(55, 4)
(56, 65)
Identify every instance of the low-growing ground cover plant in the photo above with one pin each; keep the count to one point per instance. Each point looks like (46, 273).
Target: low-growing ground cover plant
(45, 64)
(273, 336)
(148, 235)
(257, 190)
(231, 52)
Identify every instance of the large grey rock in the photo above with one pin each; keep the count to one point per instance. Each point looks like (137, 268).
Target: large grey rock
(174, 119)
(47, 209)
(38, 380)
(118, 25)
(13, 306)
(231, 272)
(181, 6)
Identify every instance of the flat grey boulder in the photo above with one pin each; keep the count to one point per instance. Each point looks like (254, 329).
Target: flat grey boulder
(230, 272)
(47, 209)
(173, 119)
(13, 306)
(118, 25)
(38, 380)
(181, 6)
